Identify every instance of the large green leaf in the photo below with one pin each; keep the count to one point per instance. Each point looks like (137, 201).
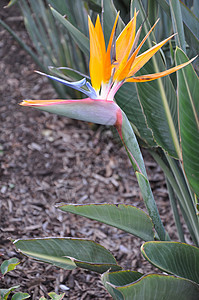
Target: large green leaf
(68, 253)
(177, 23)
(125, 217)
(159, 287)
(127, 99)
(174, 258)
(158, 98)
(119, 278)
(188, 91)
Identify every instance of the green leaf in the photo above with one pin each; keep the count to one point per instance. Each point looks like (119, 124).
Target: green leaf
(191, 27)
(196, 8)
(127, 99)
(11, 2)
(190, 20)
(158, 97)
(68, 253)
(188, 91)
(21, 43)
(54, 296)
(109, 16)
(94, 6)
(81, 40)
(174, 258)
(150, 203)
(125, 217)
(4, 293)
(152, 11)
(156, 287)
(177, 23)
(120, 278)
(9, 265)
(20, 296)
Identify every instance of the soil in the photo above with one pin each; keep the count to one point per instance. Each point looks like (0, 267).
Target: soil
(47, 159)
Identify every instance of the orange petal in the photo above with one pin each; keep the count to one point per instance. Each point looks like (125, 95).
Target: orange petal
(122, 57)
(142, 59)
(96, 56)
(41, 102)
(135, 52)
(100, 35)
(122, 42)
(108, 62)
(144, 39)
(150, 77)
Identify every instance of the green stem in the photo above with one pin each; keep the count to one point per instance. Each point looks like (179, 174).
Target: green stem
(167, 172)
(175, 211)
(188, 186)
(131, 145)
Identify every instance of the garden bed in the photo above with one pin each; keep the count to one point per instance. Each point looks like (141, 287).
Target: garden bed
(46, 159)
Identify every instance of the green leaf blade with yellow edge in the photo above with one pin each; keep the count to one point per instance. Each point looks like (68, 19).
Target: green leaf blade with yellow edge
(174, 258)
(124, 217)
(9, 265)
(119, 278)
(156, 287)
(68, 253)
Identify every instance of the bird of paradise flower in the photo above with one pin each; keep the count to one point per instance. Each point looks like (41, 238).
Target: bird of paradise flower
(110, 68)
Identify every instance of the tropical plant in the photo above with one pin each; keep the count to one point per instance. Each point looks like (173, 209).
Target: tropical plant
(164, 115)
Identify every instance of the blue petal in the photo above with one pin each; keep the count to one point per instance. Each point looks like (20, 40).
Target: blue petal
(93, 94)
(77, 85)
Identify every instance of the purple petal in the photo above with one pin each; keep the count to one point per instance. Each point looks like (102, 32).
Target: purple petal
(77, 85)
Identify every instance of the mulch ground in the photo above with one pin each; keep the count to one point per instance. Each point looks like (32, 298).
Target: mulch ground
(47, 159)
